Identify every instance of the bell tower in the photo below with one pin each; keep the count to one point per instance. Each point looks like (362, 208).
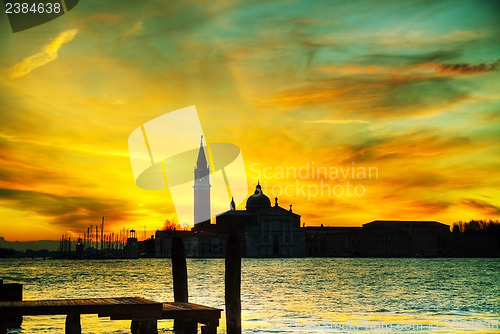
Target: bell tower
(201, 187)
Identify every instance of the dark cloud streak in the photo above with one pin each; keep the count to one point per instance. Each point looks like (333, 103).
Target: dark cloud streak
(67, 212)
(487, 208)
(395, 59)
(468, 68)
(382, 97)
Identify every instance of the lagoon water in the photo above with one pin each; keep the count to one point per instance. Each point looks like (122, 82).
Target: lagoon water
(307, 295)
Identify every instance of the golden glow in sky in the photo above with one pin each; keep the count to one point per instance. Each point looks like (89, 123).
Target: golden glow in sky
(313, 92)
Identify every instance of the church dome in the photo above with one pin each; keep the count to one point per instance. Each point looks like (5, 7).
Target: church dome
(258, 200)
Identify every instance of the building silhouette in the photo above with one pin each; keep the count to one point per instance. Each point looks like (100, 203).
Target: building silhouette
(264, 230)
(267, 230)
(379, 238)
(201, 187)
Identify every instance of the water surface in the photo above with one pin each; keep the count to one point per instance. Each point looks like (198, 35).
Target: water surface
(307, 295)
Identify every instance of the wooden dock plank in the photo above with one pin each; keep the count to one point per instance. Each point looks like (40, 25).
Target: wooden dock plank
(120, 305)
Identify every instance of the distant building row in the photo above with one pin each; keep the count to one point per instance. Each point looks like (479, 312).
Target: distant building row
(272, 231)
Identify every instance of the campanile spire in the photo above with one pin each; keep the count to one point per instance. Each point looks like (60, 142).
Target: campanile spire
(201, 187)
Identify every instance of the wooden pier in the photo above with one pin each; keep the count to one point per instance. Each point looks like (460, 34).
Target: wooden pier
(142, 312)
(139, 310)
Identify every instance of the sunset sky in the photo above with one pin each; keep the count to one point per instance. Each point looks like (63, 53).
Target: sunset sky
(408, 88)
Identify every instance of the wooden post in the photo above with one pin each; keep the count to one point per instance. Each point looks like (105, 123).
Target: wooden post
(73, 325)
(180, 282)
(11, 292)
(233, 285)
(179, 271)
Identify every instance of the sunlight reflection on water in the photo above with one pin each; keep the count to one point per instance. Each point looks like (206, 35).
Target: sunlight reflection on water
(311, 295)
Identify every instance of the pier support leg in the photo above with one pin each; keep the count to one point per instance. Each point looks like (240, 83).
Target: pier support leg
(209, 329)
(144, 327)
(183, 326)
(233, 285)
(73, 325)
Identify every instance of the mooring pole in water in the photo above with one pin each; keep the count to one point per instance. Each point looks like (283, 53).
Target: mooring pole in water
(180, 282)
(11, 292)
(179, 271)
(233, 285)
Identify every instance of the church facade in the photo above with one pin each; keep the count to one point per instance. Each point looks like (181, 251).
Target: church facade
(264, 230)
